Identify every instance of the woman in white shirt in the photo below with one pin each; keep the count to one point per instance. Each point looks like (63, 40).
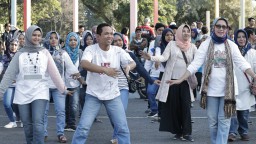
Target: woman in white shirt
(29, 67)
(64, 65)
(244, 99)
(72, 48)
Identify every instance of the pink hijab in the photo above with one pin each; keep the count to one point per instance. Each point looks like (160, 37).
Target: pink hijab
(180, 42)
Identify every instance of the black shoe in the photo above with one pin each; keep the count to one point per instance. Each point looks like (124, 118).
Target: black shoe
(187, 138)
(152, 115)
(70, 128)
(147, 111)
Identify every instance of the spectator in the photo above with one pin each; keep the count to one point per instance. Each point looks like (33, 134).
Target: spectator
(251, 25)
(138, 43)
(147, 31)
(8, 35)
(125, 32)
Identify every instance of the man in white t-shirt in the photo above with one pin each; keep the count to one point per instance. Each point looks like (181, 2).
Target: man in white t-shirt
(102, 61)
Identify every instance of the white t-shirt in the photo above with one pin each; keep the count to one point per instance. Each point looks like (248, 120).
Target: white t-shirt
(217, 78)
(67, 67)
(98, 84)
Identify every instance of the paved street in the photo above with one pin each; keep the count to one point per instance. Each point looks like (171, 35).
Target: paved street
(143, 131)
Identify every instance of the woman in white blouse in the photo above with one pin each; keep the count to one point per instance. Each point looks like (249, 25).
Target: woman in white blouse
(244, 99)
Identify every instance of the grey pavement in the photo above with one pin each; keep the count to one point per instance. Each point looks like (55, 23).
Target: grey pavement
(143, 130)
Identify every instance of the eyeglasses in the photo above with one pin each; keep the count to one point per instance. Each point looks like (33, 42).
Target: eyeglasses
(218, 26)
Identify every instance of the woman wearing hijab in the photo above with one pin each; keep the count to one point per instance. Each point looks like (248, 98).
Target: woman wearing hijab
(194, 35)
(219, 87)
(29, 66)
(87, 39)
(244, 99)
(176, 100)
(156, 69)
(72, 48)
(64, 65)
(9, 107)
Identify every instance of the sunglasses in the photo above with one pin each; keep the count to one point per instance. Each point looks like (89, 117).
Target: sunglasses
(218, 26)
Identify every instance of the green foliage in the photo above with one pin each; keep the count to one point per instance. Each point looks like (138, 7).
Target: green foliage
(43, 9)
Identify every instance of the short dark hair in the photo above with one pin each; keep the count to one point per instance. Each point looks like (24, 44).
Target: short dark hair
(204, 30)
(124, 30)
(159, 25)
(251, 18)
(61, 41)
(5, 25)
(249, 32)
(100, 26)
(81, 26)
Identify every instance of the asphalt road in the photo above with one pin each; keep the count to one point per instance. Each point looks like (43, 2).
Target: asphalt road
(143, 130)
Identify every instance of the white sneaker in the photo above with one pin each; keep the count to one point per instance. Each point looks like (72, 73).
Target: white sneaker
(11, 125)
(21, 124)
(114, 141)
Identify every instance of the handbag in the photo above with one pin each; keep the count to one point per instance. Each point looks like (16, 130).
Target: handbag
(131, 90)
(252, 85)
(192, 80)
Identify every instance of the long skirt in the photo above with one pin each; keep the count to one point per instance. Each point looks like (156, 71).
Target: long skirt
(175, 113)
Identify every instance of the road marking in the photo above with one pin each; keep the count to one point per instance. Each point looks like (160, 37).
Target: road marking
(106, 117)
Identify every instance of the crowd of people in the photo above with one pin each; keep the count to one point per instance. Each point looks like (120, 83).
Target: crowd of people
(90, 68)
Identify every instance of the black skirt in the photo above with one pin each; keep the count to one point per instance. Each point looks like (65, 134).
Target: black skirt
(176, 113)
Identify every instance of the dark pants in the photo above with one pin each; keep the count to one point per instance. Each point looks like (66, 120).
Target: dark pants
(175, 112)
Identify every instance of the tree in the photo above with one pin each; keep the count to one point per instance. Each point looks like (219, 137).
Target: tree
(193, 10)
(41, 9)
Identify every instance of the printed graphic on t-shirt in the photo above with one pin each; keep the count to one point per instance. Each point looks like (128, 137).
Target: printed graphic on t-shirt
(220, 59)
(31, 68)
(106, 64)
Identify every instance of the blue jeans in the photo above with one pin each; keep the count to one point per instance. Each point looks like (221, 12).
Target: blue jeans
(59, 105)
(124, 94)
(151, 92)
(124, 98)
(239, 123)
(9, 106)
(32, 116)
(218, 123)
(115, 112)
(72, 106)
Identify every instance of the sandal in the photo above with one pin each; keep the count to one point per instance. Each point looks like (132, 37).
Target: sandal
(62, 139)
